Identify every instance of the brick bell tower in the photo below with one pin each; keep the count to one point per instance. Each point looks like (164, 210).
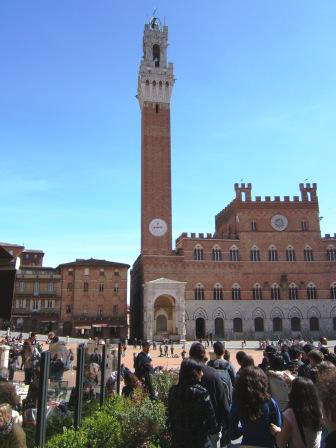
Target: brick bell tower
(155, 85)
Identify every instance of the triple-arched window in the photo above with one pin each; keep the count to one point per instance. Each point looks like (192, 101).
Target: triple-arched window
(257, 292)
(218, 292)
(311, 291)
(308, 254)
(234, 253)
(331, 253)
(198, 252)
(333, 291)
(216, 253)
(255, 253)
(199, 292)
(292, 292)
(272, 253)
(236, 292)
(290, 253)
(275, 292)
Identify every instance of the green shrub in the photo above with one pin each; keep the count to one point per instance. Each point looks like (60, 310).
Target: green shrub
(144, 422)
(162, 382)
(70, 439)
(103, 430)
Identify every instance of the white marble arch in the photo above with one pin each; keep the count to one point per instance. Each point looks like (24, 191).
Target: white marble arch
(173, 289)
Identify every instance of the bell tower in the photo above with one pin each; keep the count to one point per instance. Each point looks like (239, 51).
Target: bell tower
(155, 85)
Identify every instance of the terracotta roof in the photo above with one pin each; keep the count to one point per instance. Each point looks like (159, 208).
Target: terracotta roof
(94, 262)
(34, 251)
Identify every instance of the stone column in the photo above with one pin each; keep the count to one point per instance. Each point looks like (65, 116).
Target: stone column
(4, 355)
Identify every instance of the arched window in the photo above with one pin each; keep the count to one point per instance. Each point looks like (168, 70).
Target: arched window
(219, 327)
(311, 291)
(272, 253)
(218, 292)
(154, 83)
(257, 292)
(333, 291)
(275, 292)
(167, 84)
(277, 324)
(199, 292)
(331, 253)
(308, 254)
(198, 252)
(258, 324)
(295, 324)
(254, 226)
(314, 324)
(234, 254)
(235, 292)
(147, 82)
(237, 325)
(290, 253)
(216, 253)
(292, 292)
(160, 83)
(255, 254)
(156, 55)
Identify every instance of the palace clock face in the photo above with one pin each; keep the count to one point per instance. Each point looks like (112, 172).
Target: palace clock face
(279, 222)
(157, 227)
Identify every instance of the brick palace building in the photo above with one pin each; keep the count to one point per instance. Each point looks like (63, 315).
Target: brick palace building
(264, 272)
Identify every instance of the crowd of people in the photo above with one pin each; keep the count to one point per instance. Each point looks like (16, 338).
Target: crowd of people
(289, 400)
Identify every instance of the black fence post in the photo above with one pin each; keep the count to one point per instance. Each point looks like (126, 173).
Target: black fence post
(103, 376)
(119, 368)
(42, 399)
(79, 385)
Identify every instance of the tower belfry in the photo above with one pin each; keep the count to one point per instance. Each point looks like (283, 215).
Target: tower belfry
(155, 85)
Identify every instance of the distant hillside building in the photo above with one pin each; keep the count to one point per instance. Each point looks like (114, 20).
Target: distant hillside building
(264, 272)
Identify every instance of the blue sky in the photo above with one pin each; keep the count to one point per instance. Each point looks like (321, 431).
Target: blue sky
(254, 99)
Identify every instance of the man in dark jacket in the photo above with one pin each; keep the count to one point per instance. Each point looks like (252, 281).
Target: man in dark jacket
(7, 390)
(221, 364)
(144, 369)
(218, 394)
(305, 368)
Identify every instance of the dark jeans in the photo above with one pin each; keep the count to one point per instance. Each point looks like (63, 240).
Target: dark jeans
(28, 376)
(11, 371)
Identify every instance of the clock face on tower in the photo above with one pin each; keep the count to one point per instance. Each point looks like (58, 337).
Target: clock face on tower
(157, 227)
(279, 222)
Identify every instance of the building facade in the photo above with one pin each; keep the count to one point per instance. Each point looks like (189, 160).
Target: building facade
(94, 298)
(37, 296)
(265, 271)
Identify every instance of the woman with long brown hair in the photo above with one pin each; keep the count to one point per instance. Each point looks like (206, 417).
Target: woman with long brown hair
(302, 419)
(254, 408)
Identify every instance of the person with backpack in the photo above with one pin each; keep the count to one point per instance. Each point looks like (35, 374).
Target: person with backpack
(218, 395)
(225, 369)
(302, 420)
(253, 410)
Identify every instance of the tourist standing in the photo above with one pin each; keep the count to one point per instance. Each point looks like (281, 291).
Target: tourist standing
(191, 415)
(144, 369)
(218, 394)
(302, 420)
(254, 409)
